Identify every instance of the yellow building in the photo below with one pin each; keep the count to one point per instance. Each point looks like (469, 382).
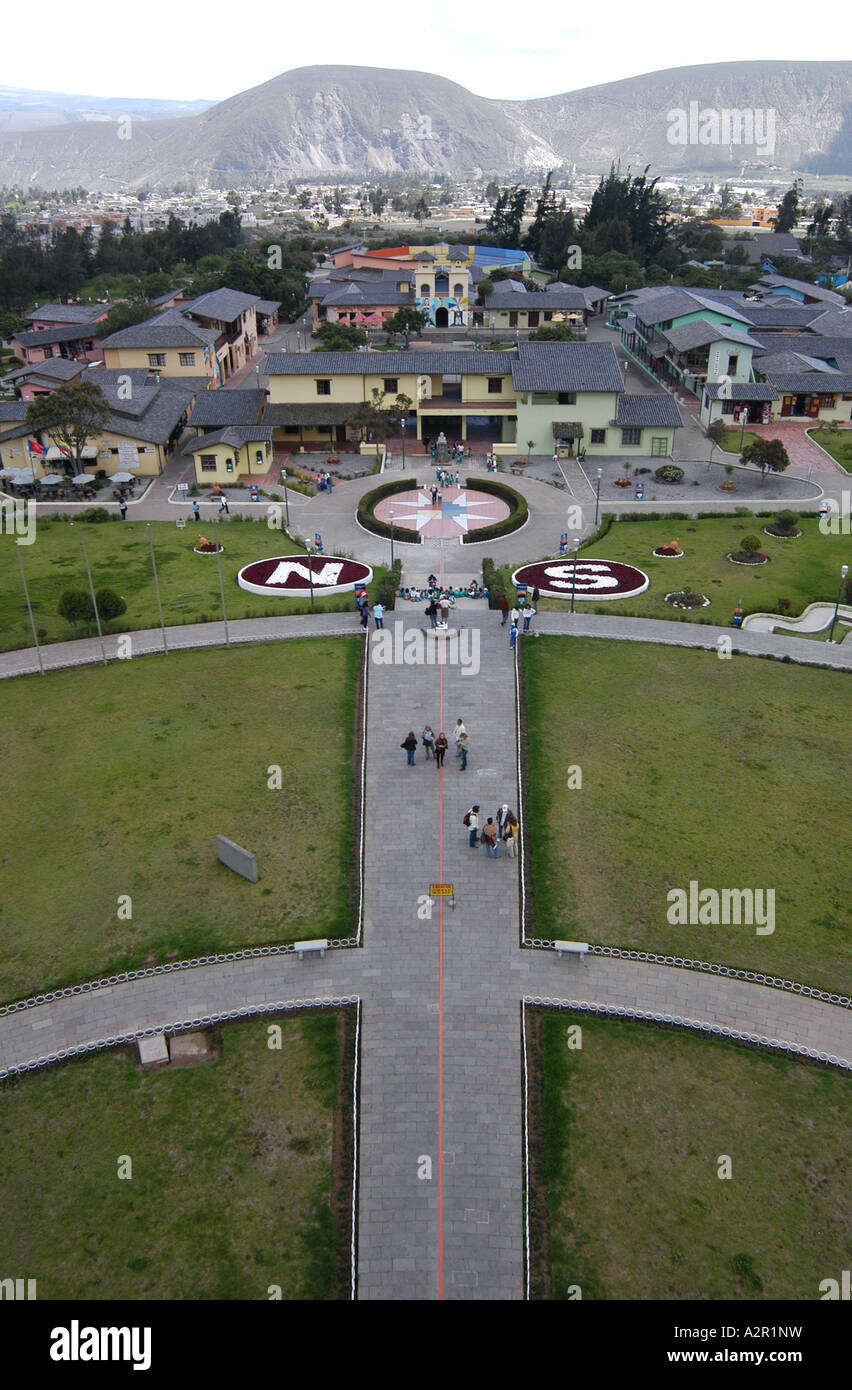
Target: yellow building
(214, 336)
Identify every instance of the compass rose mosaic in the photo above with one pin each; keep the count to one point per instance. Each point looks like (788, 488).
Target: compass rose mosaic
(459, 511)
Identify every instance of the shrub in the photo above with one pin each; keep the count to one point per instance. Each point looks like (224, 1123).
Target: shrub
(386, 592)
(669, 473)
(518, 510)
(367, 505)
(95, 514)
(492, 582)
(109, 604)
(75, 605)
(750, 545)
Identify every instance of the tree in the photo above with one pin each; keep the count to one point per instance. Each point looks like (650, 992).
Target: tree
(406, 320)
(378, 418)
(70, 416)
(492, 191)
(109, 605)
(339, 337)
(554, 333)
(378, 201)
(715, 433)
(10, 324)
(125, 315)
(766, 453)
(75, 605)
(788, 212)
(750, 545)
(504, 224)
(635, 201)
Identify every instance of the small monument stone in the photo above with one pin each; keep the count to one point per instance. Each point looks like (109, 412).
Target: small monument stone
(237, 859)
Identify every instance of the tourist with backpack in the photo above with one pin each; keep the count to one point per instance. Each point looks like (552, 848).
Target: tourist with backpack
(409, 744)
(471, 820)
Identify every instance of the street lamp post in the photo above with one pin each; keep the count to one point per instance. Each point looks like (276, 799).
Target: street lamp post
(390, 516)
(598, 496)
(844, 570)
(574, 571)
(742, 431)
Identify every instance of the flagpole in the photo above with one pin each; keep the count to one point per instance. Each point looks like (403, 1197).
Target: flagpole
(94, 604)
(29, 606)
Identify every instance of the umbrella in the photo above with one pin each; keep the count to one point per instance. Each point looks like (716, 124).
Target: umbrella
(121, 478)
(8, 472)
(51, 479)
(24, 478)
(83, 478)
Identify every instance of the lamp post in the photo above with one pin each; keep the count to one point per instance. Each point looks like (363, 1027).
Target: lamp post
(574, 571)
(390, 516)
(844, 570)
(598, 496)
(742, 431)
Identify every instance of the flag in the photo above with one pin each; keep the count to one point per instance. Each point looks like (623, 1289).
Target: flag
(66, 452)
(34, 446)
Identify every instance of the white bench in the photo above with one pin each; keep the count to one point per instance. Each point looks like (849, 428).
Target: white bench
(301, 947)
(571, 948)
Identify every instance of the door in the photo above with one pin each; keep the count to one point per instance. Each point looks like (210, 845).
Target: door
(532, 318)
(513, 318)
(787, 406)
(442, 318)
(813, 405)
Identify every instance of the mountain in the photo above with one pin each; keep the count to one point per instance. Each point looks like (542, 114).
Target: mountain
(24, 109)
(334, 121)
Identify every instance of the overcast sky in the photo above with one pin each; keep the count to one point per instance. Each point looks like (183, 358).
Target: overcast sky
(214, 49)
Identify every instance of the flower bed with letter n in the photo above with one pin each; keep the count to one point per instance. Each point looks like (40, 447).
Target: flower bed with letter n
(594, 579)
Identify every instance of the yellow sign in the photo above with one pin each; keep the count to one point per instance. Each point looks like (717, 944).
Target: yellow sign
(441, 890)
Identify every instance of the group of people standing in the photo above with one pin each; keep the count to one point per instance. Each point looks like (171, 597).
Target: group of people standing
(436, 745)
(503, 828)
(520, 611)
(324, 482)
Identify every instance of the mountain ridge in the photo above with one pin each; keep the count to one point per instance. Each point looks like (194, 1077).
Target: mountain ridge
(338, 120)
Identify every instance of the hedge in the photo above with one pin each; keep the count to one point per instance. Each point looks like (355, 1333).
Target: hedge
(518, 511)
(369, 501)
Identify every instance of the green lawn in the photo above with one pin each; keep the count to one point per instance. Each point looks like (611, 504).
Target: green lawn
(732, 773)
(838, 443)
(730, 442)
(120, 559)
(118, 780)
(633, 1126)
(231, 1185)
(802, 570)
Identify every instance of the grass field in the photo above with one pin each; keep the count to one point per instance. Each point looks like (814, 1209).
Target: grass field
(837, 443)
(802, 570)
(732, 773)
(120, 559)
(231, 1184)
(118, 780)
(630, 1160)
(730, 442)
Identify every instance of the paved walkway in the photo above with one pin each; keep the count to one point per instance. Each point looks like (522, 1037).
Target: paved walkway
(440, 1196)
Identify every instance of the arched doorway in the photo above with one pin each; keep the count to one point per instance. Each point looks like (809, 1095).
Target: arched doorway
(442, 318)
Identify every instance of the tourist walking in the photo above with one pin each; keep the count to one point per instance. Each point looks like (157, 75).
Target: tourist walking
(536, 595)
(196, 512)
(471, 820)
(379, 615)
(445, 610)
(409, 744)
(364, 610)
(502, 814)
(122, 507)
(464, 749)
(515, 616)
(529, 614)
(457, 733)
(503, 605)
(427, 738)
(513, 635)
(510, 834)
(432, 612)
(489, 835)
(441, 746)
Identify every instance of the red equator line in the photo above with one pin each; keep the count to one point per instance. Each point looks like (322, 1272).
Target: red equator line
(441, 979)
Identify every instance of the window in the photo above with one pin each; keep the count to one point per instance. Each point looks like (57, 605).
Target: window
(732, 364)
(567, 398)
(532, 318)
(156, 359)
(659, 447)
(631, 436)
(229, 465)
(291, 429)
(208, 463)
(187, 359)
(323, 387)
(598, 437)
(513, 318)
(391, 385)
(442, 284)
(424, 290)
(548, 315)
(495, 386)
(458, 291)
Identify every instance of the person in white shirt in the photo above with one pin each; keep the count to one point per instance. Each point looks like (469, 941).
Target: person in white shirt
(458, 732)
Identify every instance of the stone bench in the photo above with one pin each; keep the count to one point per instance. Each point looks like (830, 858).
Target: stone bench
(571, 948)
(309, 947)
